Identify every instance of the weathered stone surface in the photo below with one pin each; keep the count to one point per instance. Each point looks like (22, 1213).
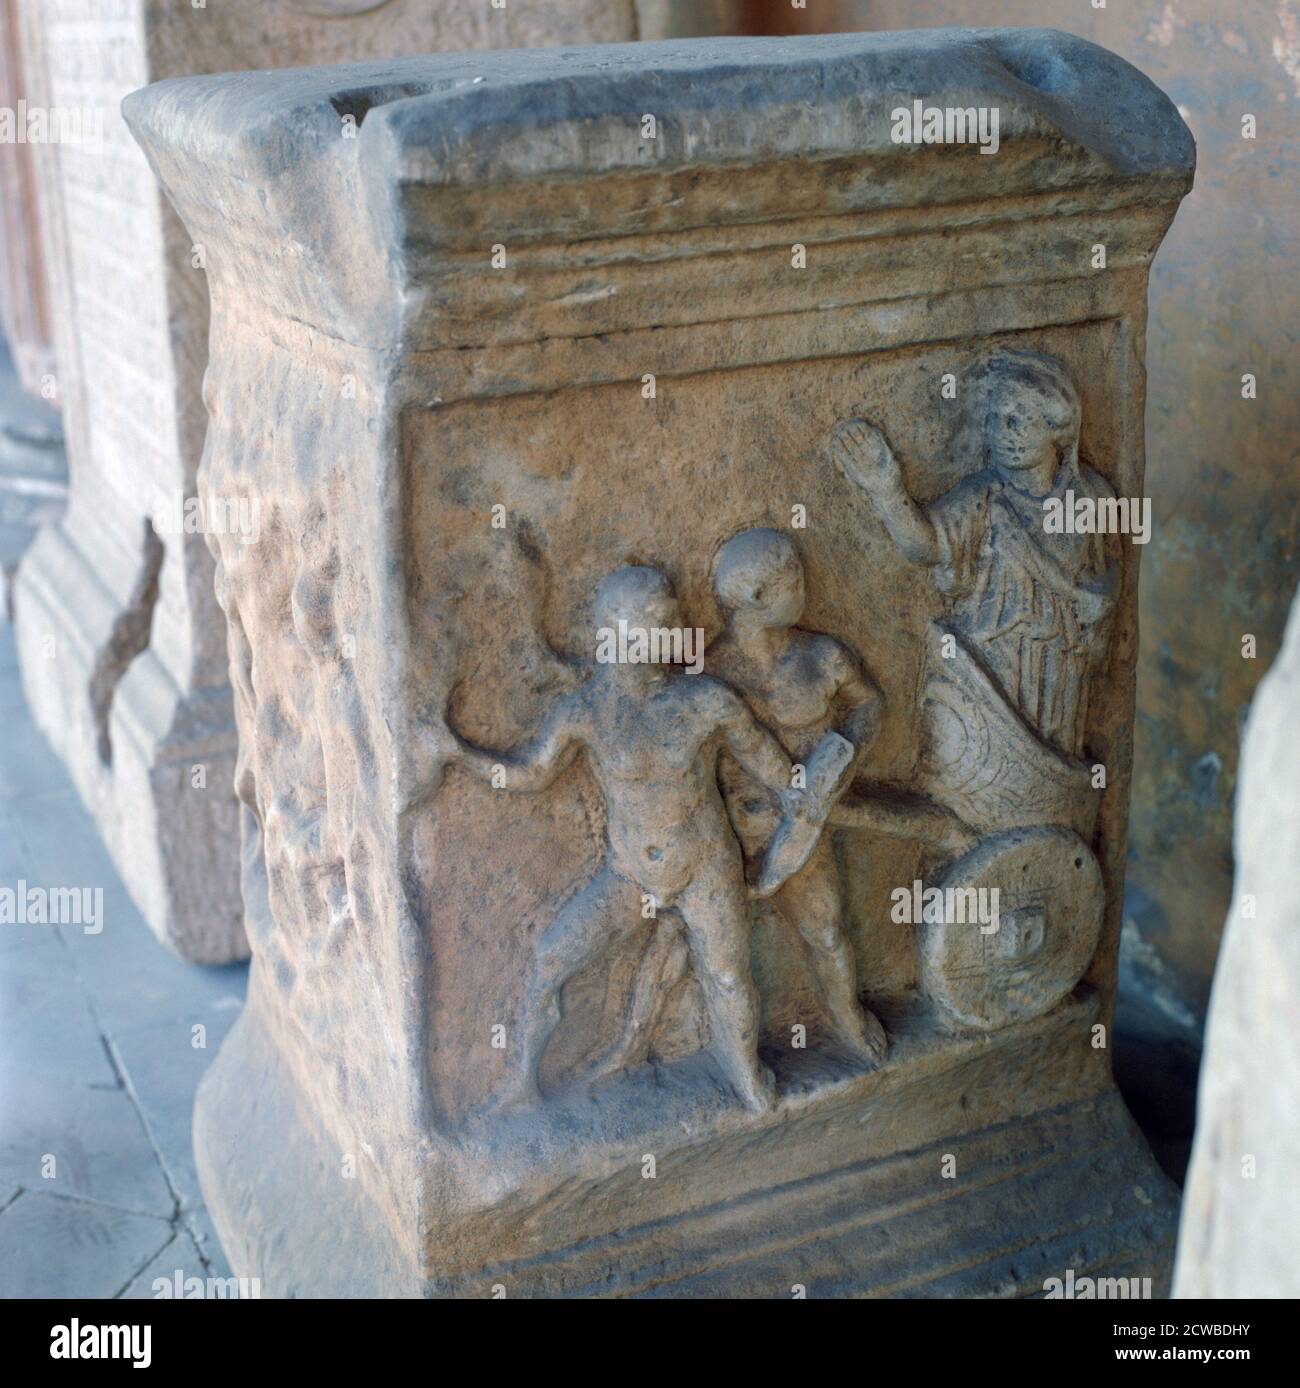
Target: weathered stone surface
(1241, 1216)
(122, 644)
(578, 973)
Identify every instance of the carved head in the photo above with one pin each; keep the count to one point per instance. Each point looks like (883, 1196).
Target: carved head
(1030, 409)
(758, 576)
(638, 595)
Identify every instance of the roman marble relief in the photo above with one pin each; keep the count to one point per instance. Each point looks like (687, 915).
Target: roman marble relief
(528, 921)
(1009, 673)
(722, 786)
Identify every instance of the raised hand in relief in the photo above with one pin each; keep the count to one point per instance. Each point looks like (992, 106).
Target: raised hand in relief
(863, 454)
(1034, 606)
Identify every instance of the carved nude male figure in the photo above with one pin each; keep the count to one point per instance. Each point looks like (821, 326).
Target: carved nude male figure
(653, 736)
(1035, 607)
(801, 685)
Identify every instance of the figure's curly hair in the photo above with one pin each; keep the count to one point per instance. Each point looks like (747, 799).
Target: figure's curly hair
(1043, 375)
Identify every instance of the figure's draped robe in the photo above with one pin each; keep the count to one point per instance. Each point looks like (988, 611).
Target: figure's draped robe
(1034, 608)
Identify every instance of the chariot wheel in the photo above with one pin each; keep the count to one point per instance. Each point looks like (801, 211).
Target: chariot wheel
(1045, 924)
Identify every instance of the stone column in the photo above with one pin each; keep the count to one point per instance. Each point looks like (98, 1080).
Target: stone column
(1241, 1218)
(33, 469)
(120, 639)
(586, 960)
(24, 294)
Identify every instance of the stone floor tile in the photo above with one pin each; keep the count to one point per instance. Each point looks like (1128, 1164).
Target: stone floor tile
(132, 979)
(57, 1247)
(28, 770)
(179, 1257)
(163, 1070)
(47, 1031)
(97, 1068)
(100, 1149)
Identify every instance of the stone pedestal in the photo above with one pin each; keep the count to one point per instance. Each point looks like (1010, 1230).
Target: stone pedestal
(588, 960)
(121, 642)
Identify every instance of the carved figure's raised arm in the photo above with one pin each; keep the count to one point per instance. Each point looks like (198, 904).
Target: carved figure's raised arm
(533, 765)
(863, 454)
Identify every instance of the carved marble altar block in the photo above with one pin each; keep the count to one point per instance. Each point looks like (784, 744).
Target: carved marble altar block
(590, 958)
(121, 643)
(1240, 1219)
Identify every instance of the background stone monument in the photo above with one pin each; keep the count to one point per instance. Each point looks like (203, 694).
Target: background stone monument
(121, 642)
(33, 473)
(33, 469)
(1241, 1214)
(24, 303)
(578, 973)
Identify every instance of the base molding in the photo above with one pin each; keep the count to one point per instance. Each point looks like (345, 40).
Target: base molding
(1065, 1187)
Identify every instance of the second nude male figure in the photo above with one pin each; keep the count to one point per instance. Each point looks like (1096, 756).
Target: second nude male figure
(801, 685)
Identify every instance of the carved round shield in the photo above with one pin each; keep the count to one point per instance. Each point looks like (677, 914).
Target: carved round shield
(1014, 928)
